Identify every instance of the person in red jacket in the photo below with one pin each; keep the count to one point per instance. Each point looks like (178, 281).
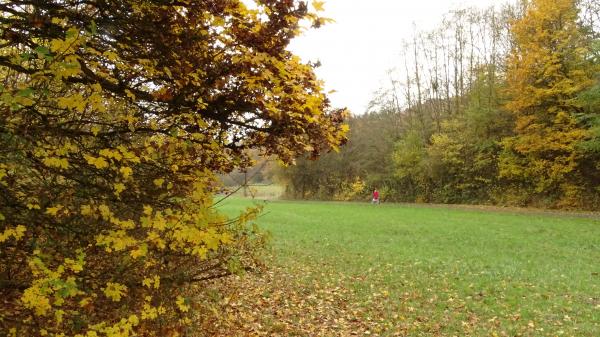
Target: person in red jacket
(375, 197)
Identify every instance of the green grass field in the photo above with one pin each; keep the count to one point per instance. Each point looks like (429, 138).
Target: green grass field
(399, 270)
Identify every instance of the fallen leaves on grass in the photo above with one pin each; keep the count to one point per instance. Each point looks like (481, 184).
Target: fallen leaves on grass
(277, 303)
(315, 300)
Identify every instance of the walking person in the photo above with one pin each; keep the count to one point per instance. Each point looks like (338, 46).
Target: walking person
(375, 197)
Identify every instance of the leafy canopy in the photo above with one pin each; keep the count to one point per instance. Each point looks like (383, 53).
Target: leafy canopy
(547, 69)
(114, 117)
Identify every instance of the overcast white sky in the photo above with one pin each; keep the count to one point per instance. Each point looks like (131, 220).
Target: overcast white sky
(357, 50)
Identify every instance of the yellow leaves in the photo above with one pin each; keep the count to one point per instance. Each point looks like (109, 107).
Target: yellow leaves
(54, 210)
(168, 72)
(546, 71)
(200, 251)
(59, 45)
(446, 149)
(117, 240)
(95, 130)
(130, 94)
(156, 281)
(34, 298)
(114, 291)
(48, 283)
(154, 238)
(121, 154)
(105, 212)
(17, 232)
(67, 63)
(148, 210)
(111, 154)
(123, 328)
(96, 88)
(70, 67)
(127, 224)
(152, 282)
(62, 163)
(58, 21)
(17, 98)
(181, 304)
(99, 163)
(128, 156)
(133, 320)
(75, 110)
(126, 172)
(211, 240)
(111, 55)
(85, 302)
(546, 38)
(86, 210)
(318, 5)
(56, 157)
(226, 238)
(119, 187)
(75, 266)
(58, 316)
(158, 222)
(131, 120)
(149, 312)
(140, 252)
(33, 206)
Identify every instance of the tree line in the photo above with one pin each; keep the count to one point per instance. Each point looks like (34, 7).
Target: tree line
(497, 106)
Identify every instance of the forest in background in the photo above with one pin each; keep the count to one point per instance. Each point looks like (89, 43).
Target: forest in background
(497, 106)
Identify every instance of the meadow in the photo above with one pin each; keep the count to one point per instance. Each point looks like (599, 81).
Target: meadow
(344, 269)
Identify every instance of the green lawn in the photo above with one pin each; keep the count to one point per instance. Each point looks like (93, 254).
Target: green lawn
(419, 271)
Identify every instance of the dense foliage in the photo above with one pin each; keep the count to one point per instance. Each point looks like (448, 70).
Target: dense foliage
(114, 118)
(498, 106)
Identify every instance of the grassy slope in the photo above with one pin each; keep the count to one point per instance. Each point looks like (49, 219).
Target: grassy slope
(437, 271)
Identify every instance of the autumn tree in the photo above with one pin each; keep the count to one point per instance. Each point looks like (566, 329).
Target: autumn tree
(547, 69)
(114, 118)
